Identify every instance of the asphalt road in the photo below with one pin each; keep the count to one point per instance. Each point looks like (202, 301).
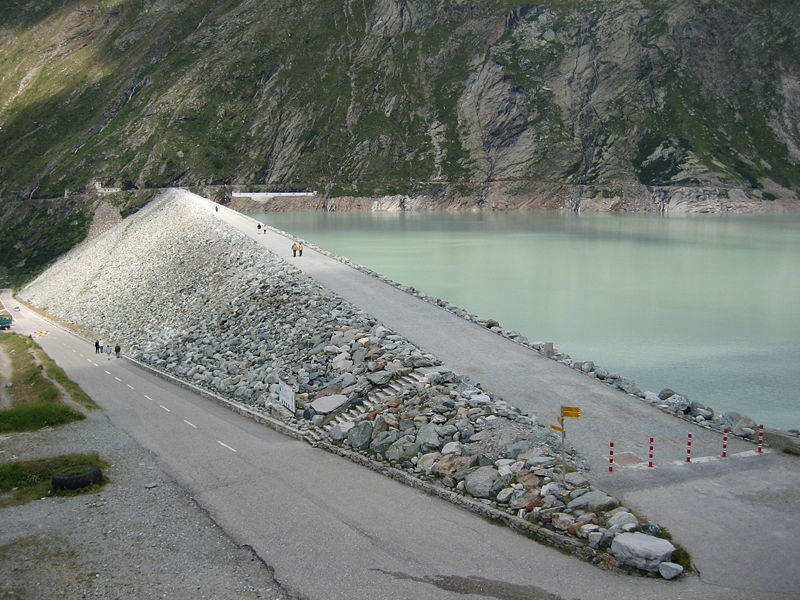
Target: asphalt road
(331, 529)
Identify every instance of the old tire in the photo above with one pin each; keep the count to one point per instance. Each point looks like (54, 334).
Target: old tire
(77, 477)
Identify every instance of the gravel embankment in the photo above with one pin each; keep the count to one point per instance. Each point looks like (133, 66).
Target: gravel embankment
(141, 536)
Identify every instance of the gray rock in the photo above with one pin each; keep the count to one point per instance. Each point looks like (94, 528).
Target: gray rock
(426, 462)
(360, 436)
(379, 377)
(677, 403)
(452, 448)
(504, 495)
(515, 448)
(383, 440)
(641, 551)
(736, 422)
(428, 439)
(576, 478)
(562, 520)
(665, 393)
(595, 501)
(541, 462)
(500, 484)
(402, 449)
(669, 570)
(479, 482)
(327, 404)
(339, 431)
(628, 386)
(621, 518)
(650, 529)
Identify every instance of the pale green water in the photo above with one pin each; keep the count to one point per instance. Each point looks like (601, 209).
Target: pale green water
(709, 306)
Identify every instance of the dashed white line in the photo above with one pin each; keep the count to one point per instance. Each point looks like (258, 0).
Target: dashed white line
(130, 386)
(190, 424)
(118, 379)
(148, 397)
(89, 360)
(108, 372)
(165, 408)
(226, 446)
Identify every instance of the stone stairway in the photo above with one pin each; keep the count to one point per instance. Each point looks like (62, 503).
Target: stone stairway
(373, 401)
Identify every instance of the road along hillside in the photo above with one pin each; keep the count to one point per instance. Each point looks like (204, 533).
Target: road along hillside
(101, 296)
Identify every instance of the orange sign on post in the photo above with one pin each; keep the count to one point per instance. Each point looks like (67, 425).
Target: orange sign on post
(571, 411)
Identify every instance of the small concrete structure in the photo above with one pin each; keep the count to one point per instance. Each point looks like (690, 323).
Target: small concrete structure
(262, 196)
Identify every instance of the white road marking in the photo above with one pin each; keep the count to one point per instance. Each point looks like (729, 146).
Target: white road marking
(108, 372)
(705, 459)
(89, 360)
(165, 408)
(148, 397)
(190, 424)
(226, 446)
(130, 386)
(118, 379)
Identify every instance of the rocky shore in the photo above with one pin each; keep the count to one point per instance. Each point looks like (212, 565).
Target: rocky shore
(182, 292)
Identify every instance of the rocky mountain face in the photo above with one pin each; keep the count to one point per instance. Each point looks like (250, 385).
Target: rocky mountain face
(615, 105)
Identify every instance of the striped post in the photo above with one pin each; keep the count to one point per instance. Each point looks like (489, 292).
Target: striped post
(689, 449)
(650, 455)
(760, 439)
(725, 443)
(611, 458)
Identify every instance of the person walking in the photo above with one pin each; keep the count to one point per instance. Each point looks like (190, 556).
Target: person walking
(117, 350)
(300, 249)
(259, 228)
(108, 351)
(295, 248)
(100, 345)
(216, 209)
(97, 346)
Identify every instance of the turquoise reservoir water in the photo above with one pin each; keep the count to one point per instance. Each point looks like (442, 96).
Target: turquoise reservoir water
(709, 306)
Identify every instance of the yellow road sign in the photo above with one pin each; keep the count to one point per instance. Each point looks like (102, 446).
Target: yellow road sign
(571, 411)
(556, 427)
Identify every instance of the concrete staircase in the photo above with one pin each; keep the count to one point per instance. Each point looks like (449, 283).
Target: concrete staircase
(375, 400)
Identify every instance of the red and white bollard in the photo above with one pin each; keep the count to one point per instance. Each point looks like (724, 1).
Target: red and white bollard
(725, 443)
(760, 439)
(611, 458)
(689, 449)
(650, 455)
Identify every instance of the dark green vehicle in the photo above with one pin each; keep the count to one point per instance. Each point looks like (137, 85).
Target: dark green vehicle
(5, 321)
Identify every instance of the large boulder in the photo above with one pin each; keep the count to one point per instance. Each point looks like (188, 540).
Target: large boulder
(479, 483)
(402, 449)
(360, 436)
(452, 464)
(641, 551)
(383, 440)
(593, 501)
(428, 439)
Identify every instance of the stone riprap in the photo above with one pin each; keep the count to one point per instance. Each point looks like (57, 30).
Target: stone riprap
(185, 293)
(672, 402)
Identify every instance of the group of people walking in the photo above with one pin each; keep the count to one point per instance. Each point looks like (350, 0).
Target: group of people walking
(297, 248)
(100, 347)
